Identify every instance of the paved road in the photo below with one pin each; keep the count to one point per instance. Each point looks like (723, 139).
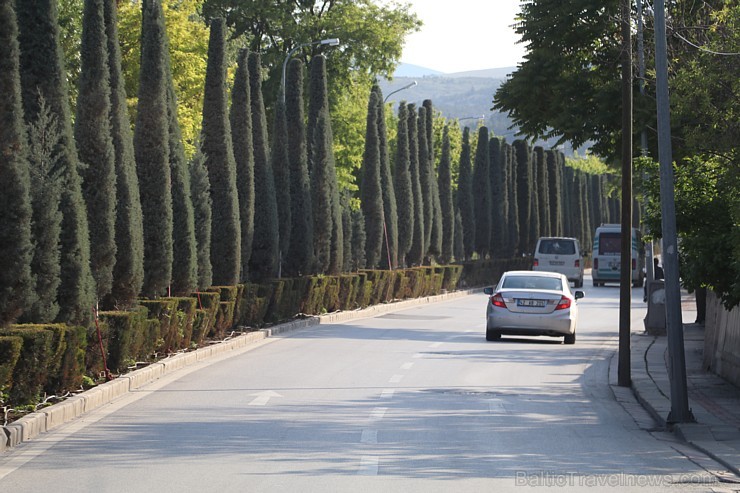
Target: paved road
(415, 400)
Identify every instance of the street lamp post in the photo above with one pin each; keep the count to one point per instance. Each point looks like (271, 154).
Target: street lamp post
(407, 86)
(480, 117)
(328, 42)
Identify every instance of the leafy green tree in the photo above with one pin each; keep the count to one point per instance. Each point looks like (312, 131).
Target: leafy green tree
(482, 194)
(43, 79)
(281, 173)
(95, 146)
(371, 194)
(128, 270)
(200, 193)
(151, 148)
(511, 186)
(16, 283)
(219, 152)
(402, 184)
(465, 197)
(390, 207)
(240, 115)
(371, 35)
(499, 198)
(538, 96)
(300, 255)
(263, 263)
(46, 190)
(445, 196)
(416, 253)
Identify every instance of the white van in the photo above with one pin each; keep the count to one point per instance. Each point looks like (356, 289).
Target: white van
(607, 255)
(561, 255)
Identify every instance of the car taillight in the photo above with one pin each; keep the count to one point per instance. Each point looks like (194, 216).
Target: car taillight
(536, 262)
(578, 264)
(563, 303)
(596, 264)
(498, 300)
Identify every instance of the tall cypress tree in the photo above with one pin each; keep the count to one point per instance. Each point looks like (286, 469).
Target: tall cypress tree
(416, 253)
(347, 258)
(321, 195)
(358, 240)
(16, 284)
(46, 189)
(281, 172)
(482, 194)
(465, 196)
(152, 151)
(299, 259)
(435, 239)
(523, 184)
(402, 184)
(43, 76)
(128, 270)
(534, 199)
(511, 186)
(184, 244)
(217, 147)
(499, 202)
(425, 177)
(200, 193)
(371, 195)
(241, 135)
(390, 206)
(445, 196)
(263, 263)
(544, 193)
(570, 223)
(95, 146)
(555, 194)
(458, 245)
(323, 138)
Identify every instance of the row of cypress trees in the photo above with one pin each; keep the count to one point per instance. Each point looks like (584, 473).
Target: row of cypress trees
(97, 214)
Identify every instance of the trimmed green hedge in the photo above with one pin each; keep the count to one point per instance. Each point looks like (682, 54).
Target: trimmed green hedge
(54, 357)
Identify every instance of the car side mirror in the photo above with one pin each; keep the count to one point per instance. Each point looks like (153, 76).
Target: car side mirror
(488, 290)
(579, 294)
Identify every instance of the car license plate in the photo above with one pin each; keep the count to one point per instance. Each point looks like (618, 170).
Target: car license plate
(557, 262)
(535, 303)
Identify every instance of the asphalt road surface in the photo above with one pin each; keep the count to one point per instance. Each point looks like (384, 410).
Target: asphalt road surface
(415, 400)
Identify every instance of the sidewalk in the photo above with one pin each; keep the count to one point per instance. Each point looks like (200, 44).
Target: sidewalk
(714, 402)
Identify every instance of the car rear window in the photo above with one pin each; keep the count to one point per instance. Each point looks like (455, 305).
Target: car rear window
(557, 247)
(610, 243)
(532, 282)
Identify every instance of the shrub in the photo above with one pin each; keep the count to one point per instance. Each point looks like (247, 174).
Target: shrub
(31, 370)
(10, 351)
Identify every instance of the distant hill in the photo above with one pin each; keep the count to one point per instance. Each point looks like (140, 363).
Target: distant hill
(463, 95)
(409, 70)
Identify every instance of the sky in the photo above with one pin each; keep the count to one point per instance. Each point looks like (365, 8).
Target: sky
(463, 35)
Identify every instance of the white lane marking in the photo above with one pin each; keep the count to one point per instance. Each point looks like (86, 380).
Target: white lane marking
(406, 366)
(418, 355)
(368, 466)
(496, 406)
(378, 413)
(387, 393)
(396, 378)
(369, 436)
(263, 398)
(435, 344)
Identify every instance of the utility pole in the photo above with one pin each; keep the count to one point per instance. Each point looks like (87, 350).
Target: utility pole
(624, 378)
(643, 134)
(680, 412)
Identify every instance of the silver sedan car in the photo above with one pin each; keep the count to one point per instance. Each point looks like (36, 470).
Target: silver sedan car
(532, 303)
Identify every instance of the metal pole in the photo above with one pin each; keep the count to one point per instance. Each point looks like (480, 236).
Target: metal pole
(625, 280)
(643, 135)
(680, 412)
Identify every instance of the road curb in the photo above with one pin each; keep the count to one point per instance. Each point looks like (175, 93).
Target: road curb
(34, 424)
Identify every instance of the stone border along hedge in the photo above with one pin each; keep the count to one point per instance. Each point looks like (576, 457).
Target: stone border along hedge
(32, 425)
